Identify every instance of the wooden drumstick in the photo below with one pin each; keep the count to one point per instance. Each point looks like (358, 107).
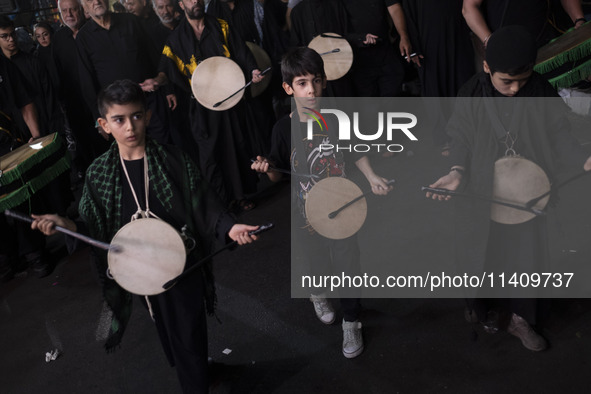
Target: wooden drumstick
(334, 214)
(239, 90)
(83, 238)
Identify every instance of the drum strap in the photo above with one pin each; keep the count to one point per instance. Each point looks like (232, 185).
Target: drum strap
(140, 212)
(500, 131)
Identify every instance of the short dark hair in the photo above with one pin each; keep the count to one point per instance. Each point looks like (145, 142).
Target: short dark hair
(120, 92)
(5, 22)
(511, 50)
(301, 61)
(515, 71)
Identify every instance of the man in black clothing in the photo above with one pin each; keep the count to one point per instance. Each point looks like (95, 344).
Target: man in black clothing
(486, 16)
(377, 68)
(223, 152)
(116, 46)
(89, 144)
(167, 22)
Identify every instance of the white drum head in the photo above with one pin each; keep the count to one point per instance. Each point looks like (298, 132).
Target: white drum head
(336, 64)
(327, 196)
(517, 180)
(215, 79)
(150, 253)
(263, 62)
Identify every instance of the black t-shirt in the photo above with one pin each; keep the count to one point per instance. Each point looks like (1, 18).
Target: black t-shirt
(286, 154)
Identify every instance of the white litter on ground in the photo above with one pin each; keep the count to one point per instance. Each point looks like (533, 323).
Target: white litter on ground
(227, 351)
(52, 355)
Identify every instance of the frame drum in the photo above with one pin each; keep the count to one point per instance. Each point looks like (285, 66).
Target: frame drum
(149, 253)
(327, 196)
(337, 64)
(263, 61)
(517, 180)
(215, 79)
(29, 168)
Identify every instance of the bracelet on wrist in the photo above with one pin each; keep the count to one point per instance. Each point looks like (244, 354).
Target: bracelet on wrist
(579, 20)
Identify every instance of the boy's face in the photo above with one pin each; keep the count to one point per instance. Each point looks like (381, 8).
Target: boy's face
(8, 39)
(507, 85)
(127, 124)
(306, 89)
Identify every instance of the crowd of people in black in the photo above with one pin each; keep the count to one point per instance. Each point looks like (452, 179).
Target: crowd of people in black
(158, 45)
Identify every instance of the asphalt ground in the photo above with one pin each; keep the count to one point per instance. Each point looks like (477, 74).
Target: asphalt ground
(264, 341)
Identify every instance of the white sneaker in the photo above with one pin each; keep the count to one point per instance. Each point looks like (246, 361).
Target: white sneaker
(352, 339)
(323, 308)
(520, 328)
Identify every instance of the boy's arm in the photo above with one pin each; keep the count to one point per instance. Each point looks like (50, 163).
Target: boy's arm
(262, 165)
(378, 184)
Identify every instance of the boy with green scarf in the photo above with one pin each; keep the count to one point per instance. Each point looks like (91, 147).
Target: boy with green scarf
(115, 191)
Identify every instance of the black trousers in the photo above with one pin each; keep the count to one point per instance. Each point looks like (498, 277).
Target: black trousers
(180, 318)
(331, 257)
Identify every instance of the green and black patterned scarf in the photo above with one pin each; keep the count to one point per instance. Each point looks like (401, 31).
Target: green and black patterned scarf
(100, 207)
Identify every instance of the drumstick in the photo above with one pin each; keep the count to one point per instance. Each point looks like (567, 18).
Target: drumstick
(271, 168)
(333, 51)
(533, 210)
(170, 283)
(334, 214)
(324, 35)
(331, 36)
(84, 238)
(239, 90)
(533, 201)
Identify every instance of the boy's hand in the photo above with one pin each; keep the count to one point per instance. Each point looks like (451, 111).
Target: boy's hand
(379, 185)
(450, 181)
(257, 76)
(46, 223)
(260, 165)
(587, 165)
(239, 233)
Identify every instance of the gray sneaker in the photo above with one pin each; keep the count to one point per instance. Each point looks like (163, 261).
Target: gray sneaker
(522, 330)
(323, 308)
(352, 339)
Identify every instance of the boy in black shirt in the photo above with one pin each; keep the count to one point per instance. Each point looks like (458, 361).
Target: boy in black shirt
(304, 79)
(484, 131)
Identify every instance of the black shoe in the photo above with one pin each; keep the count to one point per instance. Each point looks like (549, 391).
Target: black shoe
(6, 275)
(39, 265)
